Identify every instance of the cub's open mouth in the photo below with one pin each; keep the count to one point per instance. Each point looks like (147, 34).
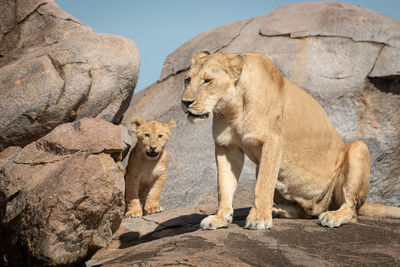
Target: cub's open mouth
(152, 154)
(197, 116)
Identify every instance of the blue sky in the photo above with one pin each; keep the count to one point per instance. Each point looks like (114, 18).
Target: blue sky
(159, 27)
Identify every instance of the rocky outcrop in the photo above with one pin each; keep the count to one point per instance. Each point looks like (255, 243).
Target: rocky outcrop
(343, 55)
(62, 197)
(174, 238)
(54, 69)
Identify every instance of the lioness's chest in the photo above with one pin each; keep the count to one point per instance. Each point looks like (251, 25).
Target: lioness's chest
(245, 140)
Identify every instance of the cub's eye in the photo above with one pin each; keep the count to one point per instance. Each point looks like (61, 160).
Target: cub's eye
(187, 80)
(207, 81)
(147, 135)
(159, 136)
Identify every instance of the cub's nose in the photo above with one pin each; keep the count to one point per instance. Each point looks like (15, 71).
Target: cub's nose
(187, 103)
(152, 148)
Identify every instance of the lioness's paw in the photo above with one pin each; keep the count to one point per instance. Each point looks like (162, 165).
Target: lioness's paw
(133, 213)
(256, 221)
(213, 222)
(335, 218)
(153, 209)
(279, 213)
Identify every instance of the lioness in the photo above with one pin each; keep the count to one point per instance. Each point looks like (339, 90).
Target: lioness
(147, 167)
(287, 134)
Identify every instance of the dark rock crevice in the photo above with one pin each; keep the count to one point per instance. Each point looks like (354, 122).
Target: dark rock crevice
(390, 85)
(54, 148)
(294, 36)
(39, 163)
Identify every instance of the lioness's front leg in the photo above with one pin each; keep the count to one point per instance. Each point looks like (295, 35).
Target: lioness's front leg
(260, 216)
(229, 165)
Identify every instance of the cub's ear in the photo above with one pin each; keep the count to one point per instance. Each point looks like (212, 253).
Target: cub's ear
(198, 55)
(136, 122)
(236, 66)
(170, 124)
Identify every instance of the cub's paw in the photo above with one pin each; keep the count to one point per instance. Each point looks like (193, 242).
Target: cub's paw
(213, 222)
(258, 221)
(336, 218)
(134, 213)
(153, 209)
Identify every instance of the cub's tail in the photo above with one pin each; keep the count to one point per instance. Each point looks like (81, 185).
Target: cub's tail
(379, 210)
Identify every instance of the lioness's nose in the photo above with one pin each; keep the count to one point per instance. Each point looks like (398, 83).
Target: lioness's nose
(187, 103)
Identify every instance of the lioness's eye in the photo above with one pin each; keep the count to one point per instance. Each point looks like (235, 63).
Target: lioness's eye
(159, 136)
(187, 80)
(147, 135)
(207, 81)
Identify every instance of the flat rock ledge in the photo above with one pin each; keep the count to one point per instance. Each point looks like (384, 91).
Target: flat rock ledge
(174, 238)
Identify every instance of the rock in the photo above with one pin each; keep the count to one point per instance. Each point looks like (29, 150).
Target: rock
(62, 197)
(174, 238)
(343, 55)
(54, 69)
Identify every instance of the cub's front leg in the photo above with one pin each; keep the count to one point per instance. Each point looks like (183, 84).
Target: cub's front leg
(260, 216)
(229, 165)
(153, 198)
(133, 208)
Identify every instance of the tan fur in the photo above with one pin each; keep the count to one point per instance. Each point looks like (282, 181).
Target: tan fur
(146, 175)
(285, 132)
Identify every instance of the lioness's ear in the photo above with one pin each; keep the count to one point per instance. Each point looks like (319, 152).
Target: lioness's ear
(198, 55)
(170, 124)
(236, 66)
(136, 122)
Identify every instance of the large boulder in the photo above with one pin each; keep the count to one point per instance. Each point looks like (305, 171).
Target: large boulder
(62, 197)
(54, 69)
(174, 238)
(345, 56)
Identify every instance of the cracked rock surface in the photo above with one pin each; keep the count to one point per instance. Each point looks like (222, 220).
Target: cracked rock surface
(346, 57)
(62, 197)
(54, 69)
(173, 238)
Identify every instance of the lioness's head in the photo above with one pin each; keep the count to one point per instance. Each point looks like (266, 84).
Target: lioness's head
(210, 80)
(152, 135)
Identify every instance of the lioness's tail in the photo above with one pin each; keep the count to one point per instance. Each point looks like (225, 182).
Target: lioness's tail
(379, 210)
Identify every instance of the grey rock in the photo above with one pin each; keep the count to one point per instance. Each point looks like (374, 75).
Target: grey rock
(54, 69)
(332, 19)
(339, 53)
(62, 197)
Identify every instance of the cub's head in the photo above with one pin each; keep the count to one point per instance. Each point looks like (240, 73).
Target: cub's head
(210, 83)
(152, 135)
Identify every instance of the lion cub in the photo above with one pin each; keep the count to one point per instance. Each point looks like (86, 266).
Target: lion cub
(147, 167)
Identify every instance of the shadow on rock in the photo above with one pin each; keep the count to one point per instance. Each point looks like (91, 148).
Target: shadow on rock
(172, 227)
(175, 226)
